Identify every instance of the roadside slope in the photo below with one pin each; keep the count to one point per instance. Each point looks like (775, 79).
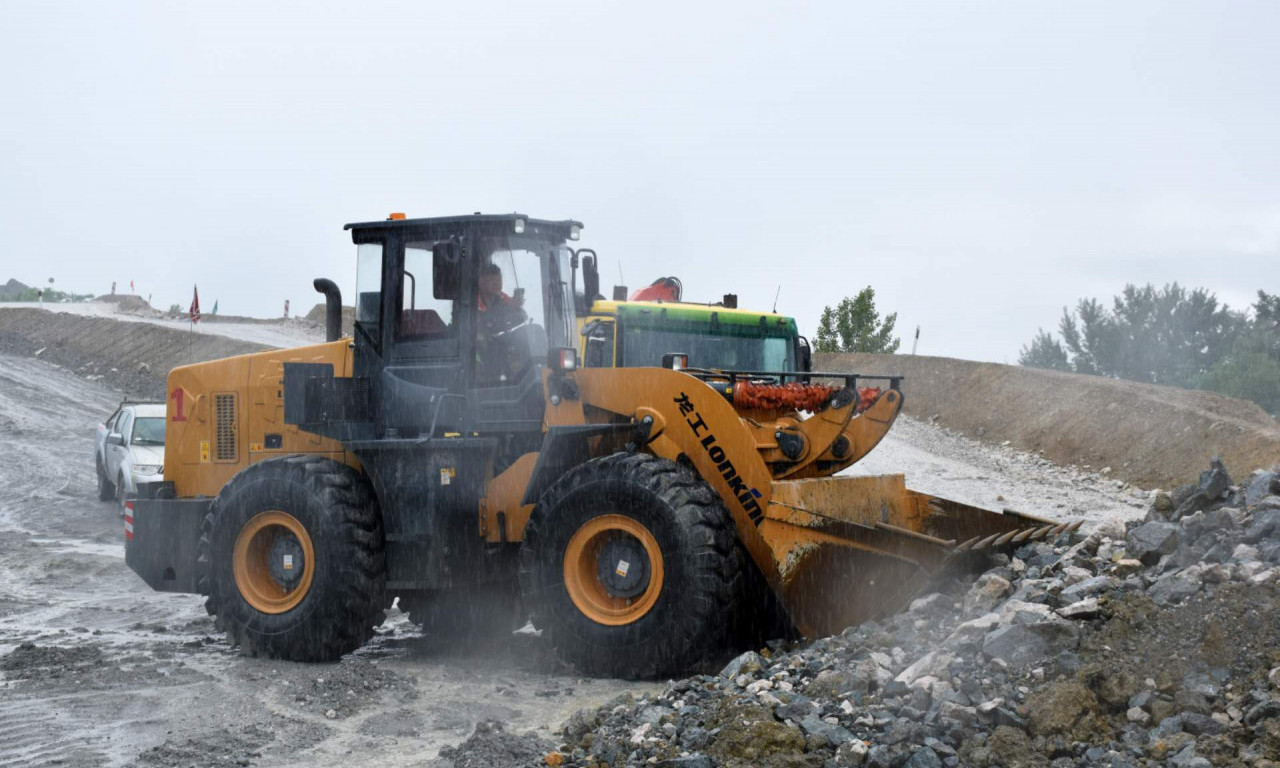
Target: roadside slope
(1149, 435)
(274, 332)
(134, 358)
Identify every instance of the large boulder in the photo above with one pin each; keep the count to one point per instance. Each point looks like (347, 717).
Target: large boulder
(1213, 484)
(747, 663)
(1021, 645)
(1262, 485)
(986, 593)
(973, 631)
(933, 664)
(1266, 524)
(1151, 541)
(1175, 587)
(1088, 588)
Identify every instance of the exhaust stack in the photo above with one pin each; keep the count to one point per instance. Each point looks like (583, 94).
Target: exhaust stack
(332, 307)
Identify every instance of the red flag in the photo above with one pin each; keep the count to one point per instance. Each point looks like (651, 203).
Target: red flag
(131, 288)
(195, 305)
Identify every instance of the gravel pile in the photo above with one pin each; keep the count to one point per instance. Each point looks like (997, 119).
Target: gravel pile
(336, 691)
(29, 660)
(1151, 643)
(217, 749)
(490, 746)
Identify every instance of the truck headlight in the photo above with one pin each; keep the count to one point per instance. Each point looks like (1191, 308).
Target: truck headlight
(147, 469)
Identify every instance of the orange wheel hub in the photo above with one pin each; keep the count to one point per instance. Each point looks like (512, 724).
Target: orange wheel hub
(613, 570)
(273, 562)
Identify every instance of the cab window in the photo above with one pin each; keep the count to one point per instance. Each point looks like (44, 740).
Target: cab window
(369, 290)
(599, 345)
(425, 310)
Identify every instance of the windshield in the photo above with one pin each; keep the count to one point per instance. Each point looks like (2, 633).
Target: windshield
(645, 347)
(148, 431)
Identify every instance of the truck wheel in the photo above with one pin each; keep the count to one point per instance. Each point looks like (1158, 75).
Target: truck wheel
(293, 554)
(106, 491)
(121, 493)
(631, 566)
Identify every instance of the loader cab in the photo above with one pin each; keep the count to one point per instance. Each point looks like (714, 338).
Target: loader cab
(454, 320)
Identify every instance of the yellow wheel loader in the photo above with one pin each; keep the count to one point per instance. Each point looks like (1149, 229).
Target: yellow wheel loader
(455, 454)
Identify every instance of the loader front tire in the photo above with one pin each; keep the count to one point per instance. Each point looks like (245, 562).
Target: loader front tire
(630, 565)
(293, 555)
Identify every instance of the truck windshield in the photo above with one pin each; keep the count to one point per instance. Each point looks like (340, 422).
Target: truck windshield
(645, 347)
(148, 431)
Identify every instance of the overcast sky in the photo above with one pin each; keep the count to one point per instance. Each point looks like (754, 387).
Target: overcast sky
(980, 164)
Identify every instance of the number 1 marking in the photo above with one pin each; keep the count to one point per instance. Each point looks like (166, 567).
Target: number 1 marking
(178, 395)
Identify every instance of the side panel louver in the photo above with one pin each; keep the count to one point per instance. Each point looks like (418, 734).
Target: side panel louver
(224, 428)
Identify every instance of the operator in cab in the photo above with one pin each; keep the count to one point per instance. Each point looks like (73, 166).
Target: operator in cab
(496, 313)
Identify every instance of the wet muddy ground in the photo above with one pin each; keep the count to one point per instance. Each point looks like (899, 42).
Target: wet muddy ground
(96, 669)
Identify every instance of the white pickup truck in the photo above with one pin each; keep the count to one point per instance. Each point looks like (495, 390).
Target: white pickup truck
(130, 450)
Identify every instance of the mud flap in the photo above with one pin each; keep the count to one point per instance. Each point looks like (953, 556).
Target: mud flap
(161, 540)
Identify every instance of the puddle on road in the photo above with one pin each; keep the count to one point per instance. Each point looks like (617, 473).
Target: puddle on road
(83, 547)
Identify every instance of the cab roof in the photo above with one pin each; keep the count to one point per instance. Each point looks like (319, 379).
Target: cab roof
(441, 227)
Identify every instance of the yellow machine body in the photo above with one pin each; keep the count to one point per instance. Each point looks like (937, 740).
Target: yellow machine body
(224, 415)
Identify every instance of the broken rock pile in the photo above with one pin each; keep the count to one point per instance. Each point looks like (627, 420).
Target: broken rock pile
(1151, 643)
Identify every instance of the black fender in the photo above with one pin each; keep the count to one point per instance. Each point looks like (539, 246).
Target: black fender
(162, 537)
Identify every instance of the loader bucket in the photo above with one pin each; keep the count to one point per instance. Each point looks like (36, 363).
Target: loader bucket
(848, 549)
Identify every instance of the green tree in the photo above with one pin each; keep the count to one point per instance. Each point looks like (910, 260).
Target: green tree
(1044, 351)
(1172, 336)
(1166, 335)
(1251, 369)
(854, 325)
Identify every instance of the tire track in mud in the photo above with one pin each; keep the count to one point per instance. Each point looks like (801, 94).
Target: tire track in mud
(35, 732)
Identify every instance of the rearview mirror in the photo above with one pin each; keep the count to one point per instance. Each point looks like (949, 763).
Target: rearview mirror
(446, 271)
(590, 276)
(115, 438)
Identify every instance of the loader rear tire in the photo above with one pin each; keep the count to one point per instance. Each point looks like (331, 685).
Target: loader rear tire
(631, 565)
(307, 512)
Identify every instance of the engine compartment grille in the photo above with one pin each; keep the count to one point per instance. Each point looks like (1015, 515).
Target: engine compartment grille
(224, 427)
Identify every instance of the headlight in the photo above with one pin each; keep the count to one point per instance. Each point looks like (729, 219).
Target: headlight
(147, 469)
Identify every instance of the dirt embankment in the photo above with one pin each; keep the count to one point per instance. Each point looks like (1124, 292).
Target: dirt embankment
(130, 304)
(319, 311)
(134, 358)
(1149, 435)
